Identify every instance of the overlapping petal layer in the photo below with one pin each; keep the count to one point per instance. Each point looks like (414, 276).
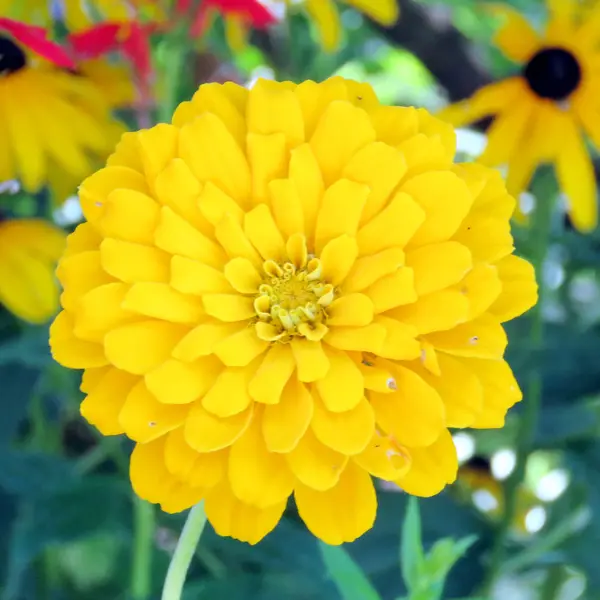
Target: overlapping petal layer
(289, 290)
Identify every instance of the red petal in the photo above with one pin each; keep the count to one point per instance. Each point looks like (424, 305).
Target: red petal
(258, 15)
(97, 40)
(35, 39)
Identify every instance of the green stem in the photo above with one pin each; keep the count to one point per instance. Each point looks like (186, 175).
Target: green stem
(552, 583)
(172, 69)
(141, 572)
(186, 546)
(540, 232)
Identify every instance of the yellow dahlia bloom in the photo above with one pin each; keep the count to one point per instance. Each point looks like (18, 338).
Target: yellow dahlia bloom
(543, 113)
(29, 249)
(289, 290)
(325, 16)
(50, 119)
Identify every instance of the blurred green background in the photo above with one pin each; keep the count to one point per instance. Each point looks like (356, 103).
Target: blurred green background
(69, 523)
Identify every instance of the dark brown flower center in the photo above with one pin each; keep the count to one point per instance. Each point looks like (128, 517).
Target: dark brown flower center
(553, 73)
(12, 58)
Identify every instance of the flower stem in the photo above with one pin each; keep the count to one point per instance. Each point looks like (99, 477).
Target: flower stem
(141, 573)
(540, 232)
(186, 546)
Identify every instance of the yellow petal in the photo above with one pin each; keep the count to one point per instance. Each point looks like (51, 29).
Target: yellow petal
(192, 277)
(101, 310)
(575, 174)
(369, 338)
(446, 200)
(261, 230)
(437, 266)
(337, 258)
(342, 388)
(240, 348)
(393, 227)
(327, 21)
(385, 12)
(342, 513)
(229, 394)
(342, 131)
(414, 414)
(231, 236)
(516, 37)
(380, 167)
(340, 211)
(480, 287)
(143, 418)
(347, 432)
(134, 262)
(71, 352)
(431, 468)
(519, 288)
(305, 174)
(147, 471)
(352, 310)
(161, 301)
(268, 159)
(243, 522)
(177, 188)
(369, 269)
(129, 215)
(399, 342)
(311, 361)
(271, 377)
(202, 340)
(209, 469)
(438, 311)
(286, 422)
(258, 477)
(176, 236)
(287, 206)
(176, 382)
(487, 238)
(242, 276)
(273, 109)
(315, 465)
(228, 308)
(394, 124)
(393, 290)
(206, 432)
(383, 458)
(214, 204)
(213, 154)
(481, 338)
(102, 405)
(141, 347)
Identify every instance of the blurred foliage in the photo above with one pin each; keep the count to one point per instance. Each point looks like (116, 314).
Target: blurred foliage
(66, 507)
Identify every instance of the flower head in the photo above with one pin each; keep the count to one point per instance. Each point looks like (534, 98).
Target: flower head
(291, 289)
(543, 113)
(53, 119)
(29, 249)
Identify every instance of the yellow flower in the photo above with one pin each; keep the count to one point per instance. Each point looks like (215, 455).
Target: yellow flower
(325, 16)
(542, 114)
(29, 249)
(289, 290)
(50, 120)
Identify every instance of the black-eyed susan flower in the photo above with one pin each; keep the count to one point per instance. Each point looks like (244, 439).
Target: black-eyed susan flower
(290, 290)
(29, 249)
(50, 117)
(543, 113)
(324, 14)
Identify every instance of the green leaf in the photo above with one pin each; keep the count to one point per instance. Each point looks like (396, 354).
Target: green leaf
(18, 384)
(412, 557)
(444, 555)
(346, 574)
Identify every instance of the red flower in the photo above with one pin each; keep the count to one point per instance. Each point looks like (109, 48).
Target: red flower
(251, 11)
(36, 39)
(130, 38)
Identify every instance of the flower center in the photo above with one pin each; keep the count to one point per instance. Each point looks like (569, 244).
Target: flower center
(12, 58)
(294, 300)
(553, 73)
